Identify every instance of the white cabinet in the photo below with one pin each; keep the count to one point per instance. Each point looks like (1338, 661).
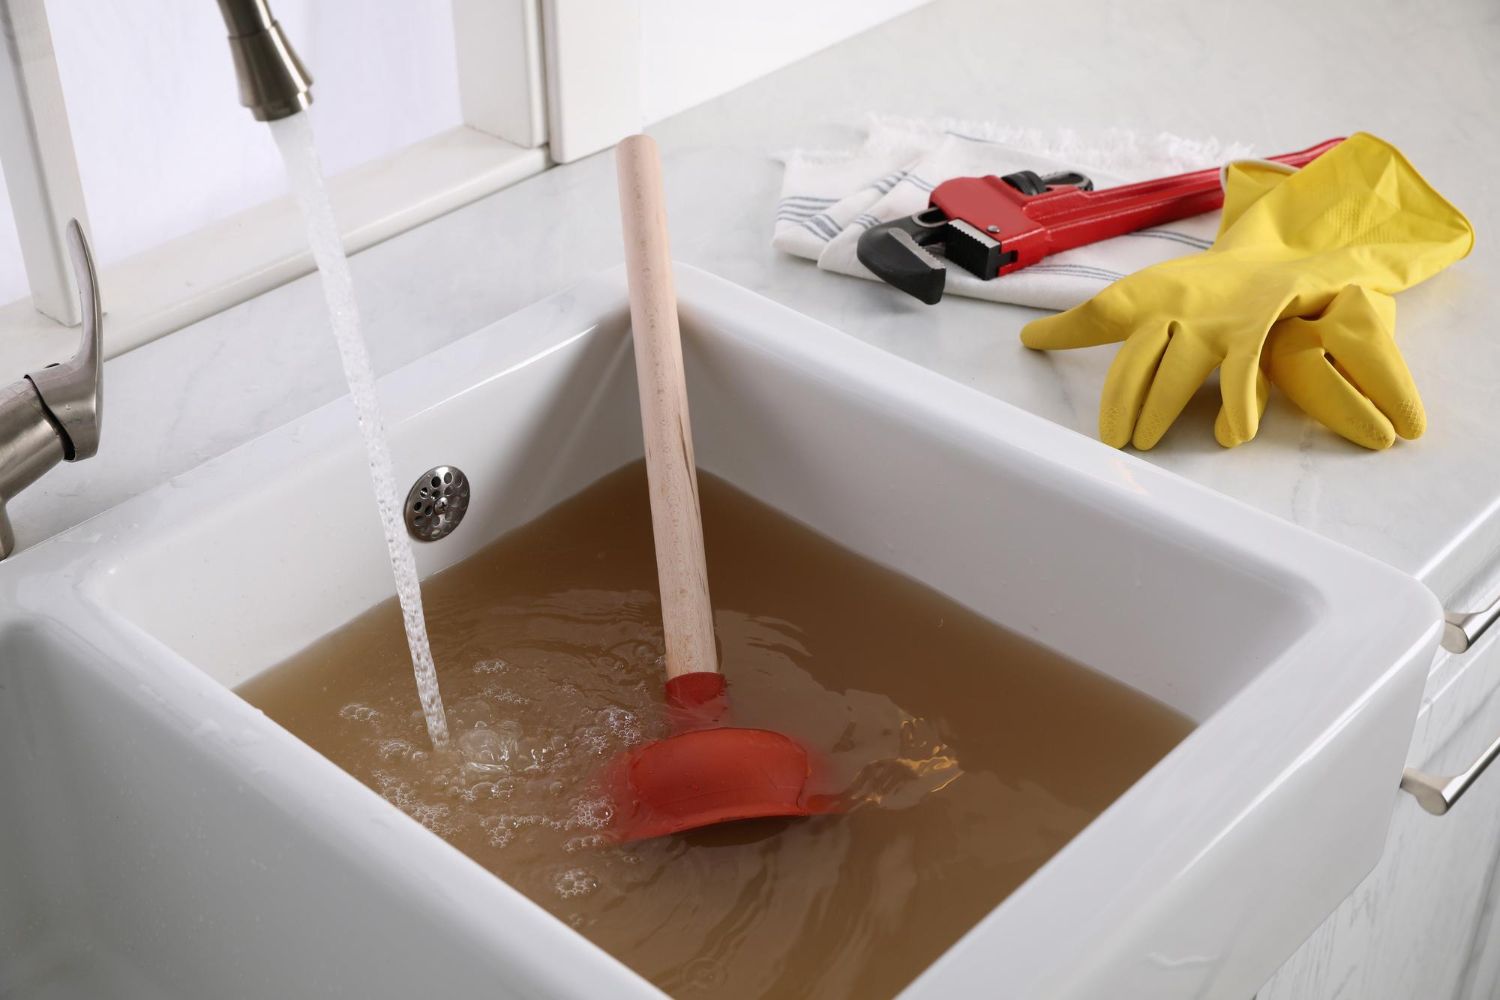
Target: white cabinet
(1424, 924)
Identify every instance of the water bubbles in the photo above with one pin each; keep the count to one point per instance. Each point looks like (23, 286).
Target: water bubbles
(491, 666)
(542, 758)
(575, 882)
(592, 813)
(483, 791)
(623, 724)
(502, 829)
(356, 712)
(393, 749)
(588, 842)
(498, 833)
(489, 751)
(471, 712)
(637, 653)
(406, 797)
(434, 816)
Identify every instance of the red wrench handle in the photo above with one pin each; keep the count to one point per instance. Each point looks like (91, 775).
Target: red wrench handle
(1073, 218)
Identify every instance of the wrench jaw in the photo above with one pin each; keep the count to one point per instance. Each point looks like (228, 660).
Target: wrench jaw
(897, 253)
(900, 252)
(977, 252)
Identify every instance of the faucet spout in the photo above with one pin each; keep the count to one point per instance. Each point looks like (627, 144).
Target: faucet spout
(273, 82)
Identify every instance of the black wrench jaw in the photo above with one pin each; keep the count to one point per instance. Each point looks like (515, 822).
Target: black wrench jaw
(897, 253)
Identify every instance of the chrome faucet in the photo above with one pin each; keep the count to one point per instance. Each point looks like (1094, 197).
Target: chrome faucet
(52, 415)
(273, 82)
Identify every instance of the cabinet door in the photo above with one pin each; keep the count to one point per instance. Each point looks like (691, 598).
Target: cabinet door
(1422, 926)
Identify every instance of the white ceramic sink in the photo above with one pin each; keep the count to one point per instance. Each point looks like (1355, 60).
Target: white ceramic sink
(280, 876)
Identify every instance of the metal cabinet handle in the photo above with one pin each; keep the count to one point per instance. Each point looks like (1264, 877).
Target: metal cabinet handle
(1461, 629)
(1437, 794)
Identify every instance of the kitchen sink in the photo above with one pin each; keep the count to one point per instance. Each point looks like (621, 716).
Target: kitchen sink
(164, 837)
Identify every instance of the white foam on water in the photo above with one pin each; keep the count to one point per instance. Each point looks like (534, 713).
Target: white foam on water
(294, 137)
(575, 882)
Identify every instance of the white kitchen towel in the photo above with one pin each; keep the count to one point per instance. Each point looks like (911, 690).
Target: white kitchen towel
(829, 199)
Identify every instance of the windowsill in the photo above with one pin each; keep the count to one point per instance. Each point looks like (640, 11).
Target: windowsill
(192, 277)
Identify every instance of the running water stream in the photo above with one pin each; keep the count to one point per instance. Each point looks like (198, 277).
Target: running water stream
(294, 137)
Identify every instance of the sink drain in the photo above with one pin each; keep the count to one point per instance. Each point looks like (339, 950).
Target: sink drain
(436, 503)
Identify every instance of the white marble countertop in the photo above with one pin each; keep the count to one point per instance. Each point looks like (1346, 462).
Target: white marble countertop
(1280, 75)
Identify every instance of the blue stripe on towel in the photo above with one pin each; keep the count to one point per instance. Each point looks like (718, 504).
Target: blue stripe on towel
(1197, 242)
(1078, 271)
(821, 226)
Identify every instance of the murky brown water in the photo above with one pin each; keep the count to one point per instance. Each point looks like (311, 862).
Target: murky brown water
(973, 755)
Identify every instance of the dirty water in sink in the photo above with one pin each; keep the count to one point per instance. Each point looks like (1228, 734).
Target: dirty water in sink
(970, 755)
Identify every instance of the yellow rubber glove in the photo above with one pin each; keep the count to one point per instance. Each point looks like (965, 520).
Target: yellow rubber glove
(1360, 214)
(1367, 395)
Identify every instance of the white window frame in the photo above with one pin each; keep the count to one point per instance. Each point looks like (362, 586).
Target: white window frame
(503, 139)
(36, 148)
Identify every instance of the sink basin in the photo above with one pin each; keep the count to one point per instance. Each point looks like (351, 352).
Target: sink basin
(162, 831)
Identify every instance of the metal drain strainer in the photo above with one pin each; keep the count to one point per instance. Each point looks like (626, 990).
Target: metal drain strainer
(436, 503)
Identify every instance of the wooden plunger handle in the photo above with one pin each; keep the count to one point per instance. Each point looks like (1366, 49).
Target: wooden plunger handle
(687, 616)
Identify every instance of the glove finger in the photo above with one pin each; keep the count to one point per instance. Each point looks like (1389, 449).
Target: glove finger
(1363, 346)
(1222, 433)
(1183, 368)
(1310, 381)
(1238, 377)
(1126, 384)
(1389, 387)
(1086, 325)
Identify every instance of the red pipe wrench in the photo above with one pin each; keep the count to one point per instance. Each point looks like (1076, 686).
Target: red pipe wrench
(991, 225)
